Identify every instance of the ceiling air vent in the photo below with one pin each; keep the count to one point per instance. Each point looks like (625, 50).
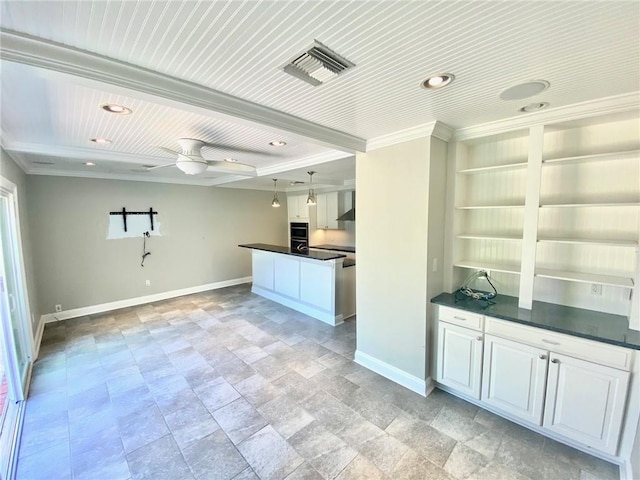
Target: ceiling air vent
(317, 65)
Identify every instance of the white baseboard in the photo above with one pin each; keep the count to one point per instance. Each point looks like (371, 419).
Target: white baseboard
(394, 374)
(321, 315)
(38, 336)
(131, 302)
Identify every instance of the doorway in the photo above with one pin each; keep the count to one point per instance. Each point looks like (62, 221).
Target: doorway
(16, 335)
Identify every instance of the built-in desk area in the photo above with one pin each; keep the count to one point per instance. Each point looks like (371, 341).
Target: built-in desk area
(312, 282)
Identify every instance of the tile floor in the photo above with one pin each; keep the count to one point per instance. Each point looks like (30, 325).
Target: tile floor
(228, 385)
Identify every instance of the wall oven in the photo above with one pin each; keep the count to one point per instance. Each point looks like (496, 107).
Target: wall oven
(299, 235)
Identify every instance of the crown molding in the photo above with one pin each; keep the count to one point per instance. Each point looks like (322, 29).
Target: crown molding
(432, 129)
(82, 153)
(17, 159)
(603, 106)
(302, 163)
(26, 49)
(192, 180)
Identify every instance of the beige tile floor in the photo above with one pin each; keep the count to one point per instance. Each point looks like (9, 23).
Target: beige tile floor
(228, 385)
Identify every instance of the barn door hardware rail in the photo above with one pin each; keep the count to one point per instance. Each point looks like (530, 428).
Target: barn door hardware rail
(124, 214)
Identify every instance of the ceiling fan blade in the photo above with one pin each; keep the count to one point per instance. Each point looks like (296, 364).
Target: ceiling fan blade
(221, 146)
(231, 167)
(161, 166)
(168, 150)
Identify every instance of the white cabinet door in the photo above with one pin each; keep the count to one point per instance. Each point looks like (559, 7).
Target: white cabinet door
(459, 358)
(585, 402)
(327, 210)
(297, 206)
(514, 377)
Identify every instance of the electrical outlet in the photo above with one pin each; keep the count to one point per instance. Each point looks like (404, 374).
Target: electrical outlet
(147, 283)
(596, 289)
(58, 308)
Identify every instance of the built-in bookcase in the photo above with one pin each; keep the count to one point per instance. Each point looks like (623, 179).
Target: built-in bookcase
(588, 221)
(489, 207)
(553, 212)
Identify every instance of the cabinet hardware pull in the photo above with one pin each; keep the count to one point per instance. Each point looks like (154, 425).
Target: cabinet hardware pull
(542, 357)
(461, 318)
(550, 342)
(555, 360)
(478, 338)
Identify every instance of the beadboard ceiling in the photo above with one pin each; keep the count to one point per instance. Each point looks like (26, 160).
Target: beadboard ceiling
(213, 71)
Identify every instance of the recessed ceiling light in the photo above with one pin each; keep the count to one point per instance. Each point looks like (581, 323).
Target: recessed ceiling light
(90, 164)
(438, 81)
(524, 90)
(277, 143)
(102, 141)
(232, 160)
(533, 107)
(113, 108)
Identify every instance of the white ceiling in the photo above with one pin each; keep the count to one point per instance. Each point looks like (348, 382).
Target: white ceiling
(213, 71)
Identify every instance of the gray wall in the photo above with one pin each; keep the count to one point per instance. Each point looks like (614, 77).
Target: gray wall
(14, 174)
(201, 228)
(391, 244)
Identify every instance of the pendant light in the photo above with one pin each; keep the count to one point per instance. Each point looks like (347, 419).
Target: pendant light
(275, 202)
(311, 199)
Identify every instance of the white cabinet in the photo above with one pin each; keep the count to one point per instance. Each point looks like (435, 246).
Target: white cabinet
(573, 387)
(459, 358)
(263, 269)
(585, 401)
(297, 207)
(514, 378)
(328, 210)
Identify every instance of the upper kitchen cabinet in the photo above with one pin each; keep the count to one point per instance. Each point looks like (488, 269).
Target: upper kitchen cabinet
(328, 209)
(297, 207)
(552, 212)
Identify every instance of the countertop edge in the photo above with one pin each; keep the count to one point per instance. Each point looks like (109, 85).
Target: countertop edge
(445, 299)
(320, 256)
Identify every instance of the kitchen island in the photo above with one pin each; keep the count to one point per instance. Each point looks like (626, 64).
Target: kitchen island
(314, 283)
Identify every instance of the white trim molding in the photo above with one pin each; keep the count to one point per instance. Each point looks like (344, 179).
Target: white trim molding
(131, 302)
(420, 386)
(316, 313)
(432, 129)
(603, 106)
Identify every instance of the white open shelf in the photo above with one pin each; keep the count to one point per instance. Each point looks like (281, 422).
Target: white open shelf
(482, 207)
(574, 205)
(495, 267)
(611, 280)
(493, 168)
(598, 157)
(590, 241)
(482, 236)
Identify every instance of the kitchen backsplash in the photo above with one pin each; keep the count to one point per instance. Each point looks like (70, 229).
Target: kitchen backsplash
(346, 237)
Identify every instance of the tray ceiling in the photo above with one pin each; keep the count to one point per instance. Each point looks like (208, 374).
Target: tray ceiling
(586, 50)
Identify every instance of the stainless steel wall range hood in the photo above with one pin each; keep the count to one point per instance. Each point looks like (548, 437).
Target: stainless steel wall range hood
(349, 215)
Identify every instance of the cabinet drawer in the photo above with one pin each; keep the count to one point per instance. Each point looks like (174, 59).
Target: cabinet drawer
(597, 352)
(460, 317)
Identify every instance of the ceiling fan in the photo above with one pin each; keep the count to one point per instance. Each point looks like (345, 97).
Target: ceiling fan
(191, 162)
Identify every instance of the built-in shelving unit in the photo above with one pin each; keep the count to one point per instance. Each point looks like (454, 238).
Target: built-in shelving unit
(554, 210)
(489, 221)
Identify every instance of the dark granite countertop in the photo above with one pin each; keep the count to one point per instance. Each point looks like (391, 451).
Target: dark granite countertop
(602, 327)
(339, 248)
(349, 262)
(295, 253)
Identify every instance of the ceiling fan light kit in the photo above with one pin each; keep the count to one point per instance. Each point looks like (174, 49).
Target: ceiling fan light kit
(191, 162)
